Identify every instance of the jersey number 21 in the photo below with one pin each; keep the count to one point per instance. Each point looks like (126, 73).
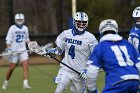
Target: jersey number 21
(19, 38)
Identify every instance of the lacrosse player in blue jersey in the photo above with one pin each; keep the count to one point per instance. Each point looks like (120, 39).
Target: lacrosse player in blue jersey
(134, 36)
(77, 44)
(117, 57)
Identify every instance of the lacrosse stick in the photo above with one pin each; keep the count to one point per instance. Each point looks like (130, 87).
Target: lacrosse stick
(49, 56)
(13, 53)
(6, 55)
(34, 47)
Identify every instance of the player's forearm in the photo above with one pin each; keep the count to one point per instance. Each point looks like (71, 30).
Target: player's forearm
(28, 41)
(92, 71)
(92, 74)
(8, 45)
(135, 41)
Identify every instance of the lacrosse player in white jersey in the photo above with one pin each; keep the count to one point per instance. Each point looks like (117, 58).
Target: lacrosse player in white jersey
(77, 44)
(16, 40)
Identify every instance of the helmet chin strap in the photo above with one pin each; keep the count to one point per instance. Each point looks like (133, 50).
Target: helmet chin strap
(137, 26)
(19, 25)
(76, 31)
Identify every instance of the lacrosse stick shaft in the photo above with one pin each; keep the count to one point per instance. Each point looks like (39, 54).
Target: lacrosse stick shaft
(16, 52)
(65, 65)
(34, 47)
(69, 66)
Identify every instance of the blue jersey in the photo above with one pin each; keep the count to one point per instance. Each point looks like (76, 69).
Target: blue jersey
(134, 38)
(117, 59)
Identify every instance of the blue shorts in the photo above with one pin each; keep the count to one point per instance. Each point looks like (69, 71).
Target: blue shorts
(129, 86)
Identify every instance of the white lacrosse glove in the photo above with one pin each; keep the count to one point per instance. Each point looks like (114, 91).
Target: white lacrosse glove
(9, 51)
(83, 74)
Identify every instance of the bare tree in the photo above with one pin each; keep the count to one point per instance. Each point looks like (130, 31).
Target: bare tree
(52, 17)
(35, 17)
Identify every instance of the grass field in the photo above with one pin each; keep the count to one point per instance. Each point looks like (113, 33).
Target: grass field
(40, 78)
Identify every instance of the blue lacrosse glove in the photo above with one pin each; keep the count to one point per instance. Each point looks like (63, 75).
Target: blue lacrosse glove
(52, 52)
(83, 74)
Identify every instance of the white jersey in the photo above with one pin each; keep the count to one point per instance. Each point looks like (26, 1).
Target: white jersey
(77, 48)
(17, 37)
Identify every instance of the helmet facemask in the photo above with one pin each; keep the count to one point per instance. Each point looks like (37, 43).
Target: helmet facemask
(81, 25)
(19, 19)
(137, 22)
(136, 16)
(80, 22)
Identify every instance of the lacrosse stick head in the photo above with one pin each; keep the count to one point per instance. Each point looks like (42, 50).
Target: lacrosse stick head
(33, 46)
(47, 46)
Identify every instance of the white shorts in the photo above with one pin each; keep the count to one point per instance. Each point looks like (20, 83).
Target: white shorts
(65, 77)
(18, 57)
(58, 77)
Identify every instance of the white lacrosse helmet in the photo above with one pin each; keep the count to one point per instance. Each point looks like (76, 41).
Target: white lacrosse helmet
(19, 18)
(108, 25)
(80, 21)
(136, 16)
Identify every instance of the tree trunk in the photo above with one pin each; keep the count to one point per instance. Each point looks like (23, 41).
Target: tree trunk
(52, 17)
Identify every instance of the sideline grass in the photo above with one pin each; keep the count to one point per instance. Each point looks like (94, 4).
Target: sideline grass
(40, 78)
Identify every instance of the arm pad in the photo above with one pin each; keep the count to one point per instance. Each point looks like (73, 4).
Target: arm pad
(59, 51)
